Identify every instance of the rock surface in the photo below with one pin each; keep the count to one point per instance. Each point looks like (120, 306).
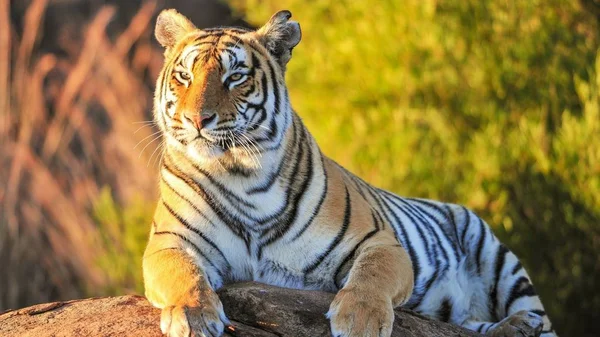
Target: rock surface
(256, 310)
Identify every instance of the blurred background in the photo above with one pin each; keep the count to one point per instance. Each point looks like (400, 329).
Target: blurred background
(493, 104)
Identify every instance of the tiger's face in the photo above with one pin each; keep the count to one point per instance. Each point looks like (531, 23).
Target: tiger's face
(221, 94)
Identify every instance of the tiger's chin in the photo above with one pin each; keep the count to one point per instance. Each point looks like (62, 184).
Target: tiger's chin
(221, 159)
(204, 153)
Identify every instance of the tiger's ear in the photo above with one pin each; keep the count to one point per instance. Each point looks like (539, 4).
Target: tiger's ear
(171, 27)
(280, 36)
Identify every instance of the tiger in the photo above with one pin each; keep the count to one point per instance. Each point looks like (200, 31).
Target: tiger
(247, 195)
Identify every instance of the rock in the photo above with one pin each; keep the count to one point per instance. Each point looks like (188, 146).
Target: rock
(256, 310)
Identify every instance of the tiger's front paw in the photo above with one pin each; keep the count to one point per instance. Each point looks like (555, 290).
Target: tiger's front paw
(360, 314)
(197, 321)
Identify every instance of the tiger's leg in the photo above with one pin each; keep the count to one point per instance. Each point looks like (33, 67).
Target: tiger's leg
(513, 300)
(380, 279)
(501, 300)
(516, 300)
(175, 284)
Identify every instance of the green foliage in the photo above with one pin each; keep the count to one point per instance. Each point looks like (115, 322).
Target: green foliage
(488, 103)
(124, 233)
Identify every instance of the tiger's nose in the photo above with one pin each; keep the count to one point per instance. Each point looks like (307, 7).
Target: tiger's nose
(200, 120)
(207, 117)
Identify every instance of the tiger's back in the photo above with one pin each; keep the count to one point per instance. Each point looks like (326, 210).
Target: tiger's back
(246, 194)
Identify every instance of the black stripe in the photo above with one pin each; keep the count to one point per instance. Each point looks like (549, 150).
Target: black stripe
(421, 212)
(227, 31)
(445, 310)
(440, 211)
(197, 232)
(321, 201)
(274, 129)
(452, 217)
(260, 107)
(500, 260)
(465, 225)
(293, 194)
(418, 297)
(233, 60)
(381, 221)
(430, 249)
(258, 111)
(271, 180)
(517, 268)
(350, 255)
(168, 106)
(380, 206)
(163, 90)
(385, 209)
(485, 327)
(412, 211)
(452, 243)
(236, 225)
(201, 42)
(542, 313)
(480, 245)
(275, 87)
(189, 202)
(227, 193)
(338, 238)
(291, 212)
(376, 218)
(358, 187)
(195, 247)
(521, 288)
(398, 226)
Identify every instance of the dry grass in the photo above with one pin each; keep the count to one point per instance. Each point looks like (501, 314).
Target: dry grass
(67, 128)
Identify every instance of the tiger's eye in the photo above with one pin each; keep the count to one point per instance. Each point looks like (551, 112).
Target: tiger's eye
(235, 77)
(184, 76)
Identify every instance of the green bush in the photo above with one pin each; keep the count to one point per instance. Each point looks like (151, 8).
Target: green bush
(124, 233)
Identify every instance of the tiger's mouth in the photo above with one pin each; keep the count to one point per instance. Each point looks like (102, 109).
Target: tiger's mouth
(223, 140)
(234, 144)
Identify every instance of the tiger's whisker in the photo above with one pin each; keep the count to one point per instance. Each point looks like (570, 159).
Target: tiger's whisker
(155, 151)
(141, 127)
(252, 153)
(150, 142)
(151, 135)
(245, 148)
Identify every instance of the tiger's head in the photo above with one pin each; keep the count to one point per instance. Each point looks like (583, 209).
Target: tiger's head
(221, 94)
